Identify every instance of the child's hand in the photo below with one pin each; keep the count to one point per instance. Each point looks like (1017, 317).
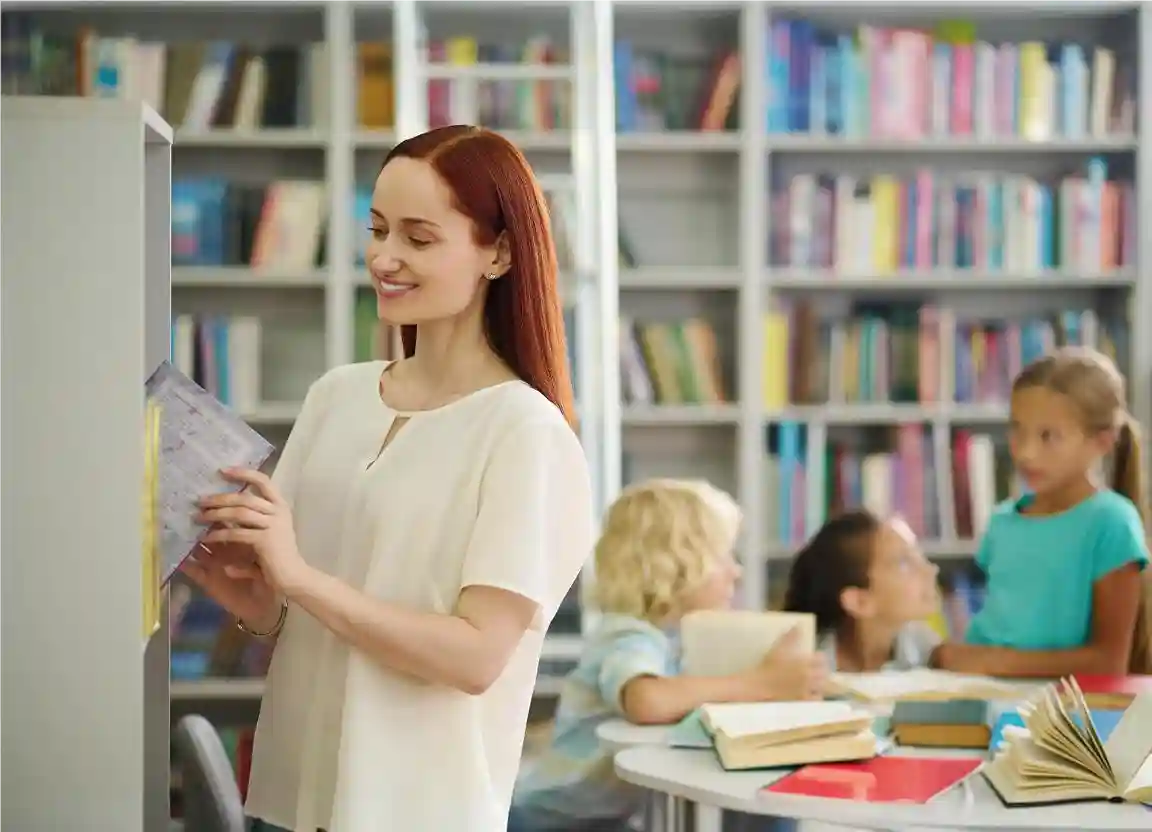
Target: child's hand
(959, 658)
(787, 674)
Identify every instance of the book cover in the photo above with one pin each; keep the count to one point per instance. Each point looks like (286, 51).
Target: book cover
(879, 780)
(1113, 691)
(199, 436)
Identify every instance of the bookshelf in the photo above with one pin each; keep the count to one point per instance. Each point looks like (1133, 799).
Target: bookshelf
(85, 692)
(700, 212)
(1006, 268)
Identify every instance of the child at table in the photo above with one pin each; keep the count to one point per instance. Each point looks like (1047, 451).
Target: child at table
(1064, 563)
(665, 550)
(871, 590)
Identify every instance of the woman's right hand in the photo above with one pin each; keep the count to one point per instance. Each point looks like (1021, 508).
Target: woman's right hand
(787, 675)
(229, 575)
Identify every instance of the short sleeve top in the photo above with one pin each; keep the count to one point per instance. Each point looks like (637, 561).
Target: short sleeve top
(1041, 570)
(491, 489)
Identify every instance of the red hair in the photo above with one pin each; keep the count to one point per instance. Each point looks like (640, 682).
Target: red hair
(492, 184)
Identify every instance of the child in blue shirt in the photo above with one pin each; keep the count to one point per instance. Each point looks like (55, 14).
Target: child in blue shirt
(665, 550)
(871, 590)
(1064, 564)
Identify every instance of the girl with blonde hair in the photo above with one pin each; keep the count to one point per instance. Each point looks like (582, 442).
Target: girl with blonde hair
(666, 550)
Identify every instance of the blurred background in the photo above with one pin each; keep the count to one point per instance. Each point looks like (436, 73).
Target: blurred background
(805, 247)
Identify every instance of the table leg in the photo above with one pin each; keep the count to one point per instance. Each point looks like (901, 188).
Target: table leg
(679, 813)
(656, 813)
(708, 818)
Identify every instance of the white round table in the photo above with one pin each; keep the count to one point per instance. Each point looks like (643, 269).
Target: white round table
(694, 775)
(617, 734)
(664, 811)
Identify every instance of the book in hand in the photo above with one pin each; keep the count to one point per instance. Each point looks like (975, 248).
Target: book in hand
(723, 642)
(199, 437)
(925, 685)
(879, 780)
(750, 735)
(1058, 757)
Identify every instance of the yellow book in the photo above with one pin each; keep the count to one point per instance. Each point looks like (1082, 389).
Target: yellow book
(775, 374)
(886, 210)
(150, 554)
(1033, 58)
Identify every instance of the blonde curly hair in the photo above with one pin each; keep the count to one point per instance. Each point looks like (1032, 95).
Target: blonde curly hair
(661, 538)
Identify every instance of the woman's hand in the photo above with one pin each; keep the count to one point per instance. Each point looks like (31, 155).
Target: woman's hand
(260, 518)
(228, 574)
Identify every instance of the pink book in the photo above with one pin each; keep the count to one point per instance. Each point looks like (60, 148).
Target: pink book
(799, 519)
(963, 71)
(925, 201)
(928, 356)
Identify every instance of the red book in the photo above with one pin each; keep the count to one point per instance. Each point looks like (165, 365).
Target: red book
(879, 780)
(1112, 691)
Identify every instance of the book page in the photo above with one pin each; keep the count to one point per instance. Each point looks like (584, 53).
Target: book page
(922, 683)
(738, 719)
(1130, 744)
(199, 436)
(723, 642)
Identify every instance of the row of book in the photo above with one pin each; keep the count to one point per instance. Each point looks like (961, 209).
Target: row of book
(659, 90)
(907, 83)
(536, 105)
(944, 489)
(915, 353)
(193, 84)
(223, 354)
(278, 227)
(995, 222)
(872, 81)
(671, 362)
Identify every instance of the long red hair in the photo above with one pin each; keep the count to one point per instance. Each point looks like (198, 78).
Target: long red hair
(493, 186)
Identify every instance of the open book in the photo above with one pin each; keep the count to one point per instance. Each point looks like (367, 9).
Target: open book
(923, 684)
(1058, 756)
(722, 642)
(750, 735)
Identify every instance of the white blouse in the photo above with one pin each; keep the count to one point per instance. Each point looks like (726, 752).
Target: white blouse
(491, 489)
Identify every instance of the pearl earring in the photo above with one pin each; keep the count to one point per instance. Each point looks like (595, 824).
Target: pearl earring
(491, 275)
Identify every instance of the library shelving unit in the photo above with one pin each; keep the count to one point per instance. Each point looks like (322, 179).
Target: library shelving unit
(86, 264)
(888, 176)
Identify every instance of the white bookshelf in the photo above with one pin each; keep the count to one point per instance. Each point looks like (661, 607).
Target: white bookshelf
(85, 693)
(694, 204)
(1122, 293)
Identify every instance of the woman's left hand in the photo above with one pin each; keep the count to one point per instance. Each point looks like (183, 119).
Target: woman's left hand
(259, 517)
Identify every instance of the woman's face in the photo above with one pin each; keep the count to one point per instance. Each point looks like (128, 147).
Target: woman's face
(422, 257)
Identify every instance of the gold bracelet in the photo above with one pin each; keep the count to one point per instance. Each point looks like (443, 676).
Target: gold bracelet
(276, 628)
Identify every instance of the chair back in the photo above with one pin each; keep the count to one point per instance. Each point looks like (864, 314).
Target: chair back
(211, 798)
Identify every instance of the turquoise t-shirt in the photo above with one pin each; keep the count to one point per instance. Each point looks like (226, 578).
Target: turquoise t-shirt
(1041, 570)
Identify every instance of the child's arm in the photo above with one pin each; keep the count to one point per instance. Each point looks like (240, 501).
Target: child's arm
(655, 699)
(1116, 599)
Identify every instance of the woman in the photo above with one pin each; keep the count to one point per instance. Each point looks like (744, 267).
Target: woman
(426, 518)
